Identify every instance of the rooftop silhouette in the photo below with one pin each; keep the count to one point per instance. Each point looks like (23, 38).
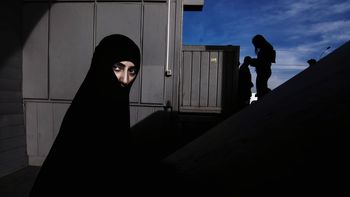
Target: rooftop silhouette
(291, 141)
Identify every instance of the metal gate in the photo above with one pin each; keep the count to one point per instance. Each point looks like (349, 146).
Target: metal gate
(208, 79)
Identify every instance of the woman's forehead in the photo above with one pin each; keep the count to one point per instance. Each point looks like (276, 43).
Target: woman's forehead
(127, 63)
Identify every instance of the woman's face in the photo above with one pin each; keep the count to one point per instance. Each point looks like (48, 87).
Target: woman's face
(125, 72)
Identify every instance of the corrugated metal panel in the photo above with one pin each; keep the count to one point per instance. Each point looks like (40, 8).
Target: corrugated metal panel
(186, 79)
(213, 80)
(203, 83)
(59, 110)
(43, 121)
(45, 130)
(204, 97)
(195, 88)
(31, 128)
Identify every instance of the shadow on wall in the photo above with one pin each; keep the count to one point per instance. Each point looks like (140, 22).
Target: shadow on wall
(12, 43)
(10, 31)
(12, 132)
(13, 36)
(164, 132)
(229, 97)
(156, 136)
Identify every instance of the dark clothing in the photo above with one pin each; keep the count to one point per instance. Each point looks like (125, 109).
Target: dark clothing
(262, 64)
(262, 77)
(244, 86)
(91, 153)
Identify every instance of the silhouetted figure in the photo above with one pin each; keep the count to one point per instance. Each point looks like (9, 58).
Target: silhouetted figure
(91, 153)
(311, 62)
(244, 84)
(266, 55)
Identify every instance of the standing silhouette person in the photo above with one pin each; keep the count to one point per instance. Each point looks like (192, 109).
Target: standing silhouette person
(244, 84)
(266, 55)
(91, 153)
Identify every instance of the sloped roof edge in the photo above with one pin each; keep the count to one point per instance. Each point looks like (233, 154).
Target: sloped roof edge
(193, 5)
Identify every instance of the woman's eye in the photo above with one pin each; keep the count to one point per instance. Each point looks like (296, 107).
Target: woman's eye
(117, 68)
(132, 71)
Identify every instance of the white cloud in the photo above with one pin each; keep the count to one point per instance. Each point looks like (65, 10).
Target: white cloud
(289, 58)
(301, 7)
(329, 27)
(290, 67)
(298, 11)
(281, 11)
(292, 57)
(277, 80)
(323, 34)
(340, 8)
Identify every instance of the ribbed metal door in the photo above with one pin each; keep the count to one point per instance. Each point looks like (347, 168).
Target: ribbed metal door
(208, 77)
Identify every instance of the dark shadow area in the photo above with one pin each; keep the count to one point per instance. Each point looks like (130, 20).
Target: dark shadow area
(193, 8)
(19, 183)
(230, 83)
(13, 36)
(12, 133)
(10, 22)
(157, 135)
(38, 10)
(291, 143)
(245, 85)
(164, 132)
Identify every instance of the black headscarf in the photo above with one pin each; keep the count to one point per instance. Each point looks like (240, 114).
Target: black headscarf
(92, 146)
(101, 87)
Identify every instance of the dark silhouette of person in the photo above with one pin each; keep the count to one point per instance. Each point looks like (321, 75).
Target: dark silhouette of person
(266, 55)
(244, 84)
(312, 62)
(91, 153)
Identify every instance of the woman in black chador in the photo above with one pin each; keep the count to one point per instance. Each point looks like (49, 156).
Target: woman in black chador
(266, 55)
(91, 154)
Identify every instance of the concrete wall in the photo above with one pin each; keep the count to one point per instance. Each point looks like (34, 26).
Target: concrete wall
(12, 131)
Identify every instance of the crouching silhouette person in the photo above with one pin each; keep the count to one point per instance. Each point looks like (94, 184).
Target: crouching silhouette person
(312, 62)
(244, 84)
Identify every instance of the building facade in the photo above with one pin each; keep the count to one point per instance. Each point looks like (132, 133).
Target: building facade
(53, 43)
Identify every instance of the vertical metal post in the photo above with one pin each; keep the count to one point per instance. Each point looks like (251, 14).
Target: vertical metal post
(167, 68)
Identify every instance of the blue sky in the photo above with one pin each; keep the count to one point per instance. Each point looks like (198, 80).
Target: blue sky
(299, 30)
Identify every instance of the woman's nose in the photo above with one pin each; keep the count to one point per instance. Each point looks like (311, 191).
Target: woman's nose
(124, 78)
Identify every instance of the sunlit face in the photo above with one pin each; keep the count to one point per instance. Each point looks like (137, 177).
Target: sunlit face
(125, 72)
